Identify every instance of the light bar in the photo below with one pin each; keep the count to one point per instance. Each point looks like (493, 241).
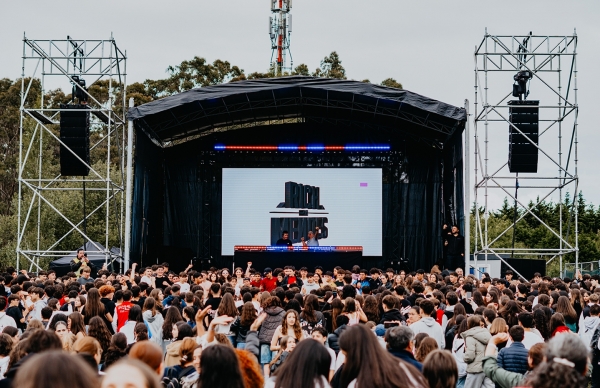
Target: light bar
(221, 147)
(275, 248)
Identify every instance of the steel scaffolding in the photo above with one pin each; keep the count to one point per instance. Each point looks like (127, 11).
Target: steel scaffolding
(497, 59)
(53, 63)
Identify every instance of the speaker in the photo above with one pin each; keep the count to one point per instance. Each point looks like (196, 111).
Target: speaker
(75, 134)
(522, 155)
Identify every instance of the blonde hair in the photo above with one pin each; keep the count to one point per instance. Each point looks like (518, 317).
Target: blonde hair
(498, 326)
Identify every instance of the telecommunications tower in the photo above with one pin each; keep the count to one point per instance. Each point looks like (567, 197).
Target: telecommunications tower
(280, 31)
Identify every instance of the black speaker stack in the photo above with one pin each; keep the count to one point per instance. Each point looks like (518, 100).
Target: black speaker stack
(522, 154)
(75, 134)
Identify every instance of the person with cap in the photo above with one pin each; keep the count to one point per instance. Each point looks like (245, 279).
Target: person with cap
(269, 282)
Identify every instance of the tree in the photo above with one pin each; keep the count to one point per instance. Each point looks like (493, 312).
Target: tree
(391, 83)
(301, 69)
(331, 67)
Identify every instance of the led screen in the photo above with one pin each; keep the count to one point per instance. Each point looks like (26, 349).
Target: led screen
(260, 203)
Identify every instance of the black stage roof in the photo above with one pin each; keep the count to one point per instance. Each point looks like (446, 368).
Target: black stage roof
(297, 99)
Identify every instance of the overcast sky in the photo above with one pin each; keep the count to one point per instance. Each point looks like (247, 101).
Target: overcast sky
(426, 45)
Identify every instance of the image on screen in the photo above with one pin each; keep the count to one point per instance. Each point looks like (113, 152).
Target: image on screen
(260, 203)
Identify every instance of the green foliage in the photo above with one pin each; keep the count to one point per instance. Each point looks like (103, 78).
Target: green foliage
(531, 233)
(331, 67)
(391, 83)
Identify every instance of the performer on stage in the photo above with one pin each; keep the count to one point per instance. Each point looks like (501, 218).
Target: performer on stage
(312, 238)
(284, 240)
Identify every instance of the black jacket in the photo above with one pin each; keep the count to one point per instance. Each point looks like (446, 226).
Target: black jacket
(334, 338)
(392, 315)
(456, 245)
(406, 356)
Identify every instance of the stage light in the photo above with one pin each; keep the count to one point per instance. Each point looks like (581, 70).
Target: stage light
(309, 148)
(284, 248)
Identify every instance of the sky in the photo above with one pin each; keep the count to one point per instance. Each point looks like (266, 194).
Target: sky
(426, 45)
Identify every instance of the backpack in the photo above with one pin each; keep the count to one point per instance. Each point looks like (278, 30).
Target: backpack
(174, 378)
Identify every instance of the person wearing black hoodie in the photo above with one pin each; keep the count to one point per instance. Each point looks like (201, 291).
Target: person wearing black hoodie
(333, 338)
(390, 312)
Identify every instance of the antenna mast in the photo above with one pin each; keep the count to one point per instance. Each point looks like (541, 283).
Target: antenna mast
(280, 31)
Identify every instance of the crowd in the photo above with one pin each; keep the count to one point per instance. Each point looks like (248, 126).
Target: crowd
(286, 328)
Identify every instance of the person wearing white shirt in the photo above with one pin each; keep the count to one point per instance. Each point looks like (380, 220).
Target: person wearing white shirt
(183, 282)
(428, 325)
(320, 334)
(527, 323)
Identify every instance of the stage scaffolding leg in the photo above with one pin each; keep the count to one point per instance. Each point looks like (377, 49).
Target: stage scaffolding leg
(467, 188)
(128, 190)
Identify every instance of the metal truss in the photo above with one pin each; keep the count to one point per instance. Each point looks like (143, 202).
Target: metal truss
(553, 62)
(52, 63)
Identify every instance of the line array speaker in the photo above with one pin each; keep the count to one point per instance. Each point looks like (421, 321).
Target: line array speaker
(75, 134)
(522, 154)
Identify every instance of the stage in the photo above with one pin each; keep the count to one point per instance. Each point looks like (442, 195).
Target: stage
(187, 145)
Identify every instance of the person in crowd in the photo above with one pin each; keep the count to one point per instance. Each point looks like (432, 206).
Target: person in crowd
(530, 338)
(399, 340)
(367, 364)
(220, 368)
(90, 350)
(6, 346)
(130, 373)
(558, 325)
(150, 354)
(308, 367)
(564, 307)
(99, 331)
(116, 350)
(427, 324)
(476, 338)
(426, 346)
(154, 319)
(75, 324)
(319, 334)
(288, 343)
(185, 367)
(135, 317)
(311, 317)
(61, 370)
(514, 357)
(290, 326)
(179, 332)
(440, 370)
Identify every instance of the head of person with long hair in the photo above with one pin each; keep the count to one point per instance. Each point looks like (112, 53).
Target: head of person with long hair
(116, 350)
(130, 372)
(440, 369)
(55, 319)
(98, 330)
(172, 317)
(150, 305)
(427, 346)
(183, 331)
(565, 364)
(498, 326)
(227, 306)
(563, 306)
(541, 323)
(150, 354)
(75, 323)
(186, 351)
(220, 368)
(349, 306)
(307, 366)
(311, 306)
(93, 305)
(510, 312)
(291, 320)
(135, 314)
(336, 309)
(89, 348)
(140, 332)
(248, 315)
(60, 369)
(372, 307)
(251, 371)
(557, 321)
(371, 366)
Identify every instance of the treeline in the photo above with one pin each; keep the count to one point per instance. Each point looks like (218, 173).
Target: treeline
(531, 233)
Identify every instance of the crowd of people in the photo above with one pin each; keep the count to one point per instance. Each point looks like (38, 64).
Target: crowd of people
(283, 328)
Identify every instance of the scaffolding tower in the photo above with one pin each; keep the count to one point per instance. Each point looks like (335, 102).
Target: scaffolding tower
(552, 63)
(42, 191)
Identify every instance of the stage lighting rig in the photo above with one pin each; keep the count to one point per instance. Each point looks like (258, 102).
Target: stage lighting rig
(520, 86)
(78, 92)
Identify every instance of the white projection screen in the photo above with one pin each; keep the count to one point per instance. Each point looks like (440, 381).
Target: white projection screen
(259, 203)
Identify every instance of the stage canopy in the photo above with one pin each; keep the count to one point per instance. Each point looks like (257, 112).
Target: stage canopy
(176, 206)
